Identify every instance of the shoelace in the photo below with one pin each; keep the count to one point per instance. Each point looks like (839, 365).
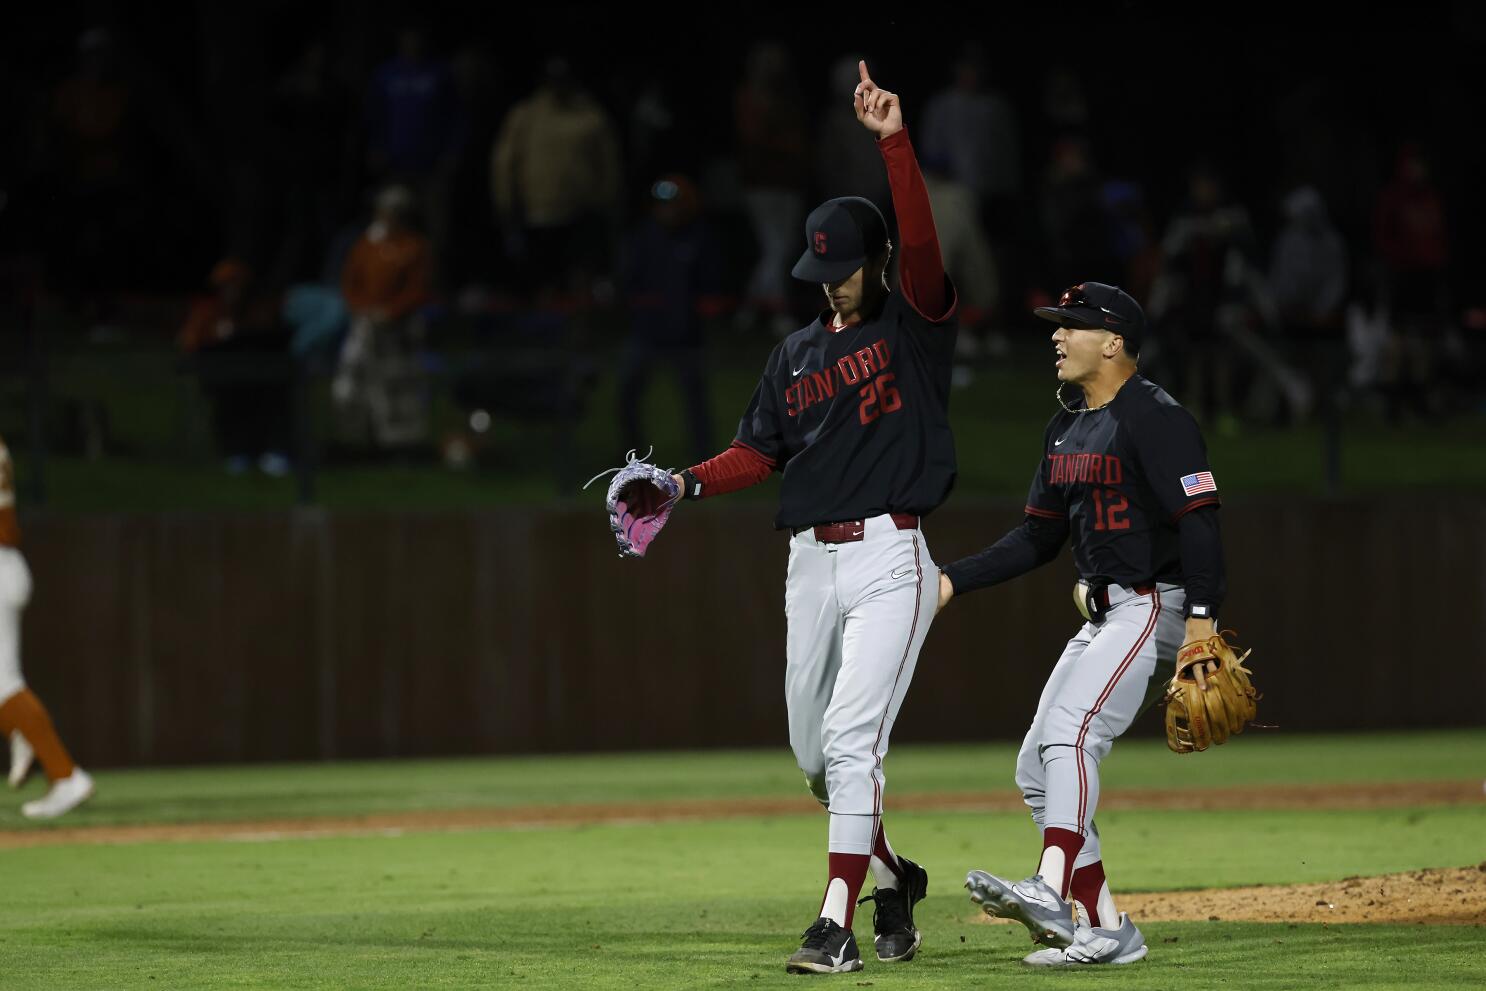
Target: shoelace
(819, 933)
(890, 911)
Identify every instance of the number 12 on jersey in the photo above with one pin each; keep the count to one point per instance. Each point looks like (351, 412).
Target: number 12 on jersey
(1108, 515)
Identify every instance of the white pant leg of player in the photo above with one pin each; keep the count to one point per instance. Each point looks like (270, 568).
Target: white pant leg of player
(1029, 770)
(854, 639)
(889, 604)
(813, 653)
(1108, 675)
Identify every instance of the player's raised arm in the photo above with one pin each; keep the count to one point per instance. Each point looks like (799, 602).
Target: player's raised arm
(921, 265)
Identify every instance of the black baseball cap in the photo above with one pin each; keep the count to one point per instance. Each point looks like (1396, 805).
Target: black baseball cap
(840, 235)
(1096, 306)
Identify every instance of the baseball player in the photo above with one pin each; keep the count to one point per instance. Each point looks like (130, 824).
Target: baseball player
(852, 410)
(1125, 471)
(23, 719)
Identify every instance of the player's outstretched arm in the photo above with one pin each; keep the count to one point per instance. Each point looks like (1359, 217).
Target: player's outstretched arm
(739, 467)
(1031, 545)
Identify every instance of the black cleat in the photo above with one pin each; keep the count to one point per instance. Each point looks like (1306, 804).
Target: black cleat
(827, 949)
(892, 918)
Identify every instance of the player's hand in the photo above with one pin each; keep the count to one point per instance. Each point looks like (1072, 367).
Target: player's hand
(877, 109)
(946, 591)
(1201, 629)
(680, 482)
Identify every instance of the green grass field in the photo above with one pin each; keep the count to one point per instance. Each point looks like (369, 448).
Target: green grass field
(711, 903)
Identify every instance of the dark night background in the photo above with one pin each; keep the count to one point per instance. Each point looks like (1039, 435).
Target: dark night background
(147, 146)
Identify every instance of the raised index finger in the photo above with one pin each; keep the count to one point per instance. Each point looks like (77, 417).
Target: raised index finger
(862, 68)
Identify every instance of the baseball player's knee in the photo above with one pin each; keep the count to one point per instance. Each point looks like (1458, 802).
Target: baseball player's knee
(850, 779)
(1065, 725)
(844, 765)
(1055, 752)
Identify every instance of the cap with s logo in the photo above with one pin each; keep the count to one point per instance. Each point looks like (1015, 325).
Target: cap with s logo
(840, 236)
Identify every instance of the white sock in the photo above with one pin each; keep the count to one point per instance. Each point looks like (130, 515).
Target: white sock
(835, 903)
(884, 875)
(1107, 912)
(1051, 866)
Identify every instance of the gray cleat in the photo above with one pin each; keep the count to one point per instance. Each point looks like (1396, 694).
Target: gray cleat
(1031, 902)
(1116, 946)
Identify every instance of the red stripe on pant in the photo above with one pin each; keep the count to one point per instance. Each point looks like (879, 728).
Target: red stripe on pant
(1109, 687)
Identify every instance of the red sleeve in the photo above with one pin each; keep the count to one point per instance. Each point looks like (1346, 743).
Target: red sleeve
(736, 468)
(920, 265)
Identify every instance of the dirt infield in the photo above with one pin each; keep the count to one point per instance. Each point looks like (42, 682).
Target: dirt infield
(1359, 796)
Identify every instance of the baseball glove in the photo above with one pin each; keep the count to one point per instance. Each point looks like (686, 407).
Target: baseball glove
(641, 497)
(1196, 719)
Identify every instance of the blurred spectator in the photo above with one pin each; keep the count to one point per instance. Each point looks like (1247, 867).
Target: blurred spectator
(672, 275)
(237, 348)
(414, 128)
(1409, 233)
(967, 256)
(555, 178)
(974, 131)
(1308, 277)
(1409, 229)
(1211, 302)
(847, 162)
(1308, 268)
(1075, 224)
(378, 383)
(773, 159)
(312, 117)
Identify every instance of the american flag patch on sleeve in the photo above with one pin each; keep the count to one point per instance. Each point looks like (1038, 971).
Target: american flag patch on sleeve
(1198, 483)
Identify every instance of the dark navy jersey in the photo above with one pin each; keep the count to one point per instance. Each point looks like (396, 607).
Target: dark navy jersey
(1122, 477)
(857, 420)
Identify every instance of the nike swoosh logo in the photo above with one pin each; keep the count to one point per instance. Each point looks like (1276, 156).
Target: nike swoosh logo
(899, 574)
(799, 370)
(1059, 441)
(836, 960)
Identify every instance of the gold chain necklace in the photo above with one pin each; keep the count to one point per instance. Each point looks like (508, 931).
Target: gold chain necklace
(1069, 409)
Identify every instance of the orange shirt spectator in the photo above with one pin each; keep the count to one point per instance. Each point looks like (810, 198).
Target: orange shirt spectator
(388, 271)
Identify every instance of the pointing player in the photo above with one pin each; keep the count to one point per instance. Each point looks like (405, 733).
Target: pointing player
(23, 719)
(1125, 471)
(852, 410)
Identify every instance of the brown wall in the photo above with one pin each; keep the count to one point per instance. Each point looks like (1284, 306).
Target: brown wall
(178, 638)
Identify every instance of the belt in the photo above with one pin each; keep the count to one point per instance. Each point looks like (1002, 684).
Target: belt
(1101, 595)
(849, 531)
(1093, 600)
